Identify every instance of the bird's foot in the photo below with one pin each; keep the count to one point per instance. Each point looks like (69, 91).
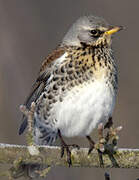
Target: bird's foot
(66, 147)
(112, 137)
(107, 144)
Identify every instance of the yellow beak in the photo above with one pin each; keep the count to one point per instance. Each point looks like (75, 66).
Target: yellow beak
(113, 30)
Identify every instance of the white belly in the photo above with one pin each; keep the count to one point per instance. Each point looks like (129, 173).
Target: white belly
(83, 109)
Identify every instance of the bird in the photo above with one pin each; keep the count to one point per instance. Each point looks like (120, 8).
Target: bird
(77, 85)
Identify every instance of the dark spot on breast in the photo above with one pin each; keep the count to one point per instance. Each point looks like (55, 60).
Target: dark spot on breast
(98, 57)
(80, 62)
(80, 81)
(109, 67)
(50, 96)
(70, 65)
(76, 63)
(75, 76)
(71, 77)
(84, 68)
(84, 53)
(91, 71)
(55, 78)
(54, 100)
(105, 62)
(86, 77)
(48, 108)
(76, 82)
(58, 83)
(62, 78)
(70, 71)
(109, 61)
(67, 78)
(56, 71)
(55, 87)
(72, 84)
(78, 72)
(50, 102)
(48, 91)
(63, 88)
(44, 96)
(100, 64)
(94, 66)
(62, 69)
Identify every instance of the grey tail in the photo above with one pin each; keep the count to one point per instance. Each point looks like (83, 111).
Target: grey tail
(44, 135)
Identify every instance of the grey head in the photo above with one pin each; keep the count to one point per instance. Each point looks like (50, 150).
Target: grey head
(90, 30)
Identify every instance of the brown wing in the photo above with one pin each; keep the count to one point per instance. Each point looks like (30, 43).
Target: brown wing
(39, 85)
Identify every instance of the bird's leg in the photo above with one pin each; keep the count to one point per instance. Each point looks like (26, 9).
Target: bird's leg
(98, 146)
(109, 123)
(64, 147)
(92, 144)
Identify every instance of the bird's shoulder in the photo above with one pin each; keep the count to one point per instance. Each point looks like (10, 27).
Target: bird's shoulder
(51, 58)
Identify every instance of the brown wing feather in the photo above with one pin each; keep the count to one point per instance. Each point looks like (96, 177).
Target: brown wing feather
(39, 85)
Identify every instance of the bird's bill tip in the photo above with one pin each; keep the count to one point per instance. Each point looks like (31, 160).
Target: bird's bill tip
(114, 30)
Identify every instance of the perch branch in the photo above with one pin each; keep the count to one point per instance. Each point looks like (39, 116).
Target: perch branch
(50, 156)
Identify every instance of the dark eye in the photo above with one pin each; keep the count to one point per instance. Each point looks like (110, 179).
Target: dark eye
(96, 32)
(93, 32)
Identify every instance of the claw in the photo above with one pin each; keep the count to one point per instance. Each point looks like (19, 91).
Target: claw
(69, 157)
(100, 158)
(62, 151)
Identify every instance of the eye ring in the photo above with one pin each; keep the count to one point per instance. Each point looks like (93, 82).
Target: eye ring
(94, 32)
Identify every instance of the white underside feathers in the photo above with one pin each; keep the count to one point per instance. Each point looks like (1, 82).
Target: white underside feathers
(84, 108)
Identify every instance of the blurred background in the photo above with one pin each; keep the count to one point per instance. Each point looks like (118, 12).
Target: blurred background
(29, 30)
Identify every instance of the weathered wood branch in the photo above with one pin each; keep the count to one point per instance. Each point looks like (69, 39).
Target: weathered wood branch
(50, 156)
